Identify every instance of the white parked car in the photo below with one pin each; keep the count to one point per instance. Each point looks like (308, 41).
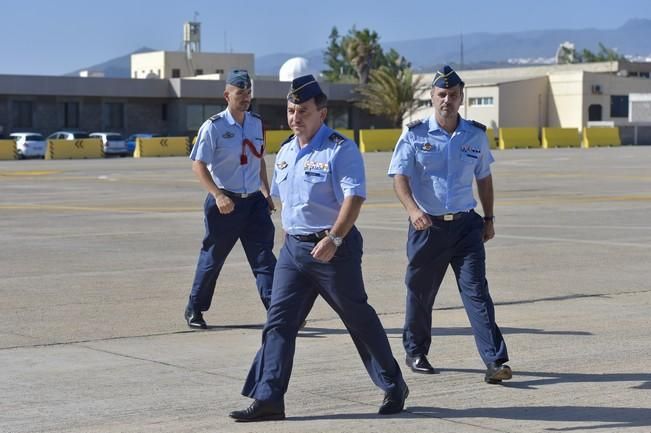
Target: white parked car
(113, 143)
(29, 144)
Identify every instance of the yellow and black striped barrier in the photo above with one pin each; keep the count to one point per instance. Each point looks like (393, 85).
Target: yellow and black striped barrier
(8, 150)
(74, 149)
(162, 146)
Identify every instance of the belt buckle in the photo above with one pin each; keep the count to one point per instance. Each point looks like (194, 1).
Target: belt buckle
(244, 195)
(448, 217)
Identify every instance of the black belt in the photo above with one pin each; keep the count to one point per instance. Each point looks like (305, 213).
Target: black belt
(238, 194)
(312, 237)
(451, 216)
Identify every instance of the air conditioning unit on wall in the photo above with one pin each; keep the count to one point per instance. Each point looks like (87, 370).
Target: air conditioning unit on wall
(596, 89)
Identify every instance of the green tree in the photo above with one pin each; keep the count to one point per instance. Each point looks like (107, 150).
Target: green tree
(604, 54)
(339, 69)
(390, 95)
(363, 51)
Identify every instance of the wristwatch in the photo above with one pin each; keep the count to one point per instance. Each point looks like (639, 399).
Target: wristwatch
(335, 239)
(489, 218)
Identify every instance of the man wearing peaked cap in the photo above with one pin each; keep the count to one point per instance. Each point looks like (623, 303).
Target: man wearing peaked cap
(433, 167)
(239, 78)
(319, 178)
(228, 159)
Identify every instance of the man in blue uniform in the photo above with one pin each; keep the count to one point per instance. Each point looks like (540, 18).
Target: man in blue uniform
(228, 159)
(319, 177)
(433, 167)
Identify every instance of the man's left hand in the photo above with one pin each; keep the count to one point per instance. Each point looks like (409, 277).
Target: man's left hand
(324, 251)
(272, 206)
(489, 230)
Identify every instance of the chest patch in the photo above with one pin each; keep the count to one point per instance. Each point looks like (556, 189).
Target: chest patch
(315, 166)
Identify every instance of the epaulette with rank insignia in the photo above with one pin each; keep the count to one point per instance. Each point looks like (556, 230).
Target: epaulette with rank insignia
(477, 125)
(338, 139)
(287, 140)
(216, 117)
(255, 115)
(414, 123)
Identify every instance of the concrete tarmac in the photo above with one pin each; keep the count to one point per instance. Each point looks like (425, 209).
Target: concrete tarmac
(97, 257)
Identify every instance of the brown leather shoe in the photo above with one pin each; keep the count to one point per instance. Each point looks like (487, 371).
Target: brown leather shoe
(394, 400)
(260, 411)
(420, 364)
(497, 372)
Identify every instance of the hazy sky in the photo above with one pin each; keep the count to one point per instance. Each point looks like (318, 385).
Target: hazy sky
(57, 36)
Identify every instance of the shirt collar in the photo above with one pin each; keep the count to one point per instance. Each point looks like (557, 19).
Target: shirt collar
(230, 119)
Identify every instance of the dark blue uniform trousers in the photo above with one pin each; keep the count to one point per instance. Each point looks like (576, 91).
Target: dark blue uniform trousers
(297, 282)
(251, 224)
(458, 243)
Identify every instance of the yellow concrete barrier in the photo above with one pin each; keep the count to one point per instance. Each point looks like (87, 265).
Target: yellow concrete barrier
(593, 137)
(560, 137)
(490, 135)
(8, 150)
(274, 138)
(162, 146)
(378, 140)
(74, 149)
(518, 138)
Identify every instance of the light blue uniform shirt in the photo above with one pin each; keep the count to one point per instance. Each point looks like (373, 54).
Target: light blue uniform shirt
(313, 182)
(441, 166)
(219, 145)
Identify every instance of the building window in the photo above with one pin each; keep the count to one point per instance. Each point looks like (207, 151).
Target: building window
(196, 114)
(219, 71)
(483, 101)
(114, 115)
(71, 114)
(338, 117)
(198, 72)
(619, 106)
(163, 112)
(176, 73)
(22, 114)
(594, 113)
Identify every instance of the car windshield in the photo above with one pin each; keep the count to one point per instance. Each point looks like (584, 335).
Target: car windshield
(80, 135)
(114, 137)
(34, 137)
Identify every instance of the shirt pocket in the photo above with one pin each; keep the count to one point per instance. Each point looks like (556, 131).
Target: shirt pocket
(432, 161)
(314, 185)
(468, 163)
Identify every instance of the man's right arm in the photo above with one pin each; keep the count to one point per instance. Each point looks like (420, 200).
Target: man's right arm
(419, 219)
(224, 203)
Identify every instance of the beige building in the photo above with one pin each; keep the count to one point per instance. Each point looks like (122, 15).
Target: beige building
(568, 96)
(177, 64)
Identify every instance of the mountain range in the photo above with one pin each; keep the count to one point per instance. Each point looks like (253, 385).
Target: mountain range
(479, 49)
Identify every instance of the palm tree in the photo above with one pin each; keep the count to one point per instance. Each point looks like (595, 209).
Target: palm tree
(362, 49)
(390, 95)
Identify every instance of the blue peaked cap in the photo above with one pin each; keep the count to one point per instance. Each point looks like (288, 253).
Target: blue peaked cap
(239, 78)
(446, 78)
(303, 89)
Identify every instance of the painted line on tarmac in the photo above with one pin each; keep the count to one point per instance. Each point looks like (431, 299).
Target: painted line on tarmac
(30, 172)
(530, 238)
(99, 209)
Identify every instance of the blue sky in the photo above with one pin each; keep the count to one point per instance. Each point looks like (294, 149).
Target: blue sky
(57, 36)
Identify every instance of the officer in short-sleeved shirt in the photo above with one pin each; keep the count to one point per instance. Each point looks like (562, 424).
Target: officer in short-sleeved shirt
(228, 159)
(319, 178)
(434, 164)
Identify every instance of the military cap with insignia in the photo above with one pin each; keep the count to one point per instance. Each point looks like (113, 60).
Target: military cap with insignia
(446, 78)
(239, 78)
(303, 89)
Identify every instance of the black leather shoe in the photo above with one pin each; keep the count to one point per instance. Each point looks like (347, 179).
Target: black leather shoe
(260, 411)
(394, 400)
(420, 364)
(194, 319)
(497, 372)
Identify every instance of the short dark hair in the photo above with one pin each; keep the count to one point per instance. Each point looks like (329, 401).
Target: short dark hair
(321, 101)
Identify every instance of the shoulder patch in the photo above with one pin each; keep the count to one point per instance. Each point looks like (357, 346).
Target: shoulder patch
(287, 140)
(414, 123)
(216, 117)
(478, 125)
(255, 115)
(338, 139)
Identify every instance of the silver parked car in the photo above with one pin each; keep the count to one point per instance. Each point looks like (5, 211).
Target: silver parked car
(112, 142)
(29, 144)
